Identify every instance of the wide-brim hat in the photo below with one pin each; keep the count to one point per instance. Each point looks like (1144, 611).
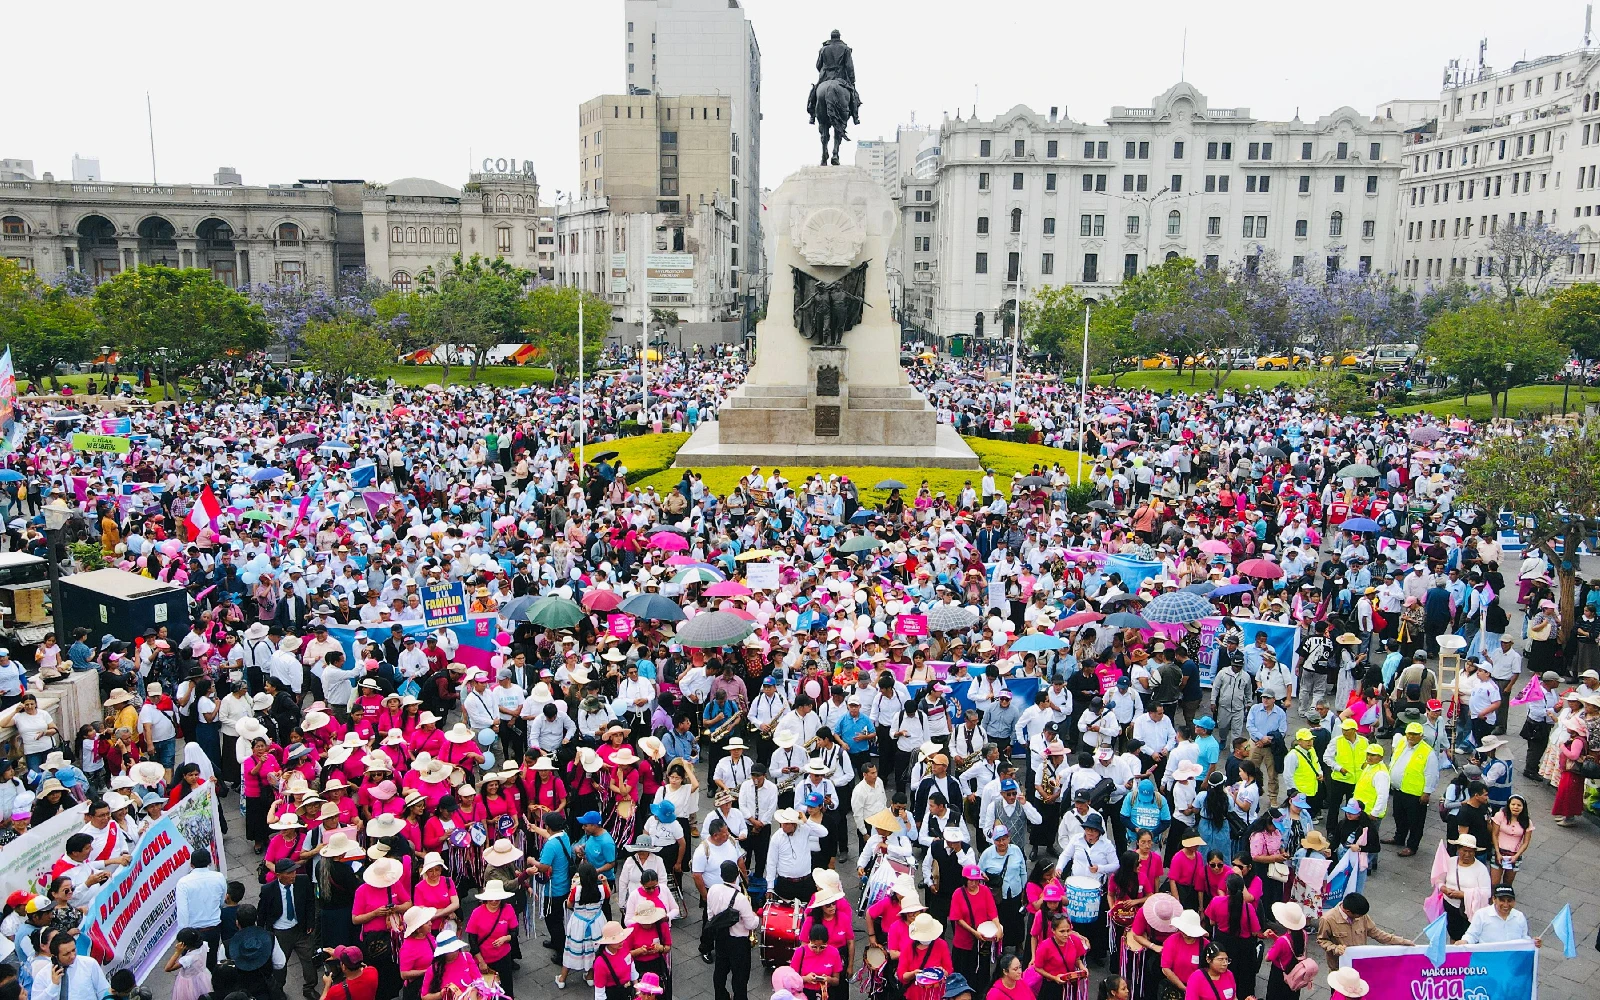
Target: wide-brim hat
(118, 697)
(825, 896)
(1188, 923)
(448, 945)
(260, 702)
(925, 929)
(736, 744)
(614, 933)
(1290, 915)
(1348, 983)
(492, 890)
(289, 821)
(148, 772)
(785, 739)
(430, 860)
(884, 820)
(1315, 841)
(417, 916)
(256, 631)
(1160, 909)
(1465, 840)
(387, 825)
(623, 757)
(459, 733)
(653, 748)
(648, 913)
(340, 846)
(383, 873)
(329, 810)
(501, 852)
(314, 721)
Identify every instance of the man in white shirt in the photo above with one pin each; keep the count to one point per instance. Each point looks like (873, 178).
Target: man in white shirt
(1505, 666)
(788, 861)
(758, 802)
(200, 895)
(1091, 853)
(1500, 921)
(285, 666)
(731, 970)
(72, 977)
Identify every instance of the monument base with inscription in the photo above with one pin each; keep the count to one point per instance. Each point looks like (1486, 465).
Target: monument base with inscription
(827, 387)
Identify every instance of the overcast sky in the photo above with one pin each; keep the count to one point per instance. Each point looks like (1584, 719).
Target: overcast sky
(385, 90)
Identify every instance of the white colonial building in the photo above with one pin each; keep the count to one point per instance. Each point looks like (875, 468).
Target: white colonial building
(1509, 148)
(998, 207)
(415, 223)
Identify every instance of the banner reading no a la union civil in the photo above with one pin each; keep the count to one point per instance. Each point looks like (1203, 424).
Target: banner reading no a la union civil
(1482, 972)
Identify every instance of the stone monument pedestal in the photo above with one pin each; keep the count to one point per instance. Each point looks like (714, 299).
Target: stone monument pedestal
(808, 402)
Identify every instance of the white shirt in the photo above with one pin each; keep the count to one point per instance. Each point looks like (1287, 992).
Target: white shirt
(758, 803)
(789, 854)
(1488, 927)
(85, 980)
(708, 859)
(161, 728)
(731, 774)
(200, 895)
(285, 668)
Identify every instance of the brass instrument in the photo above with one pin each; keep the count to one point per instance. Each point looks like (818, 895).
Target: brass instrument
(786, 785)
(718, 734)
(1049, 786)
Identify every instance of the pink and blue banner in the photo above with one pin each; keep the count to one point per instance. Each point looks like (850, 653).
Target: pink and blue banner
(475, 636)
(1507, 971)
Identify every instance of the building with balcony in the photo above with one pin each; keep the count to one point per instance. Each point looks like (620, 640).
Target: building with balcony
(1024, 199)
(1504, 149)
(413, 224)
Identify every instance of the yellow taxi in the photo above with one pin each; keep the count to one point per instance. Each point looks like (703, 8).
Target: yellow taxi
(1279, 362)
(1160, 361)
(1349, 360)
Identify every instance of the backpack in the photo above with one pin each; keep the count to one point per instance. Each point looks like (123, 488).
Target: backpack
(716, 926)
(1302, 973)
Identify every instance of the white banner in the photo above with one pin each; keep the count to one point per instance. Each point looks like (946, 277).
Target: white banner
(382, 404)
(25, 862)
(761, 575)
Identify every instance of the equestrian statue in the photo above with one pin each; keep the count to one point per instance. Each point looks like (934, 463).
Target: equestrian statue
(834, 101)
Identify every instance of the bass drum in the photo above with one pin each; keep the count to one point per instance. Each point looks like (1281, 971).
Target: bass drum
(780, 931)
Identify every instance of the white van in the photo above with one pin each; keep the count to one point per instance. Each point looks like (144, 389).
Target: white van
(1391, 357)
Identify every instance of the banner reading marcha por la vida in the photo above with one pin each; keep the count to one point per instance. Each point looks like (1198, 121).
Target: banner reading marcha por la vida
(1508, 971)
(133, 920)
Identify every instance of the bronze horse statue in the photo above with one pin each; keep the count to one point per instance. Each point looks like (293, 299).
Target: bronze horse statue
(831, 112)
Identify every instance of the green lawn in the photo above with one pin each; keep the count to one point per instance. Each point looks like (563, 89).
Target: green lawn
(501, 376)
(649, 457)
(1529, 400)
(1188, 382)
(80, 383)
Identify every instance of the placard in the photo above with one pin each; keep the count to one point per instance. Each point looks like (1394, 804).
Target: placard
(1505, 971)
(1284, 640)
(669, 273)
(761, 575)
(911, 626)
(997, 596)
(444, 604)
(25, 862)
(619, 272)
(101, 443)
(620, 627)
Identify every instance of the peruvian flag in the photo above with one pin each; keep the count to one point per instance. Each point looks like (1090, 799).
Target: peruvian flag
(204, 515)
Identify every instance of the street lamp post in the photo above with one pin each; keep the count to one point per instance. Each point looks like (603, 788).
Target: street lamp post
(56, 515)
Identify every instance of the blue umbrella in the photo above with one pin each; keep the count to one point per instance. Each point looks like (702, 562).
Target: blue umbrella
(517, 608)
(265, 474)
(10, 476)
(1178, 608)
(1231, 589)
(1359, 524)
(1202, 588)
(652, 607)
(811, 619)
(861, 516)
(1126, 619)
(1037, 642)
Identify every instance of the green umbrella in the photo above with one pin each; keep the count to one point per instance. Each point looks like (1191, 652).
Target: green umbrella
(257, 515)
(861, 543)
(1356, 472)
(712, 629)
(555, 612)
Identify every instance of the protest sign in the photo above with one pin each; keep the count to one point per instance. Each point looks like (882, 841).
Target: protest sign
(444, 604)
(1134, 571)
(997, 596)
(25, 862)
(911, 626)
(761, 575)
(1504, 971)
(101, 442)
(1284, 640)
(620, 627)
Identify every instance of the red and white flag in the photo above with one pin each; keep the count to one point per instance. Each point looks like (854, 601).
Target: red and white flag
(204, 515)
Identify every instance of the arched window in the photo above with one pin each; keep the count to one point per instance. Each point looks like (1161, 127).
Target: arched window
(1016, 220)
(516, 203)
(1174, 222)
(1172, 255)
(438, 234)
(288, 234)
(423, 236)
(396, 234)
(977, 325)
(1336, 224)
(13, 225)
(401, 282)
(502, 203)
(411, 234)
(450, 235)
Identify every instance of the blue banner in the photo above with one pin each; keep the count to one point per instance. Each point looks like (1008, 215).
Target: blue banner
(444, 604)
(1133, 571)
(1284, 640)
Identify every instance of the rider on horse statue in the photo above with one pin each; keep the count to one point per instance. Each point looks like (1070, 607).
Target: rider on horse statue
(834, 63)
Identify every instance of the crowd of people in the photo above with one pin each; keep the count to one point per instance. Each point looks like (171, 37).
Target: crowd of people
(890, 776)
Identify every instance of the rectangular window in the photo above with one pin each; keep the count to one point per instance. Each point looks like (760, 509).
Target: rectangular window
(502, 239)
(1369, 228)
(1019, 147)
(1300, 226)
(1305, 183)
(1099, 182)
(1249, 226)
(1375, 151)
(1102, 148)
(1214, 226)
(1261, 227)
(1050, 149)
(1129, 149)
(1142, 183)
(983, 225)
(1266, 179)
(1211, 262)
(982, 264)
(1050, 181)
(1133, 225)
(1176, 184)
(1049, 225)
(1144, 151)
(1127, 182)
(1338, 183)
(1250, 183)
(1016, 182)
(1013, 266)
(1372, 184)
(1091, 267)
(1253, 152)
(1333, 268)
(983, 147)
(1085, 222)
(1222, 183)
(1211, 150)
(1177, 150)
(1266, 150)
(1130, 265)
(1342, 152)
(1088, 149)
(1305, 151)
(1047, 263)
(1099, 225)
(669, 185)
(1211, 183)
(1227, 151)
(983, 180)
(1088, 182)
(1297, 267)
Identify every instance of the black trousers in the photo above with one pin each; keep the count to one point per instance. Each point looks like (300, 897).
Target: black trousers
(298, 946)
(1538, 741)
(794, 888)
(213, 936)
(1410, 816)
(1338, 793)
(730, 975)
(556, 923)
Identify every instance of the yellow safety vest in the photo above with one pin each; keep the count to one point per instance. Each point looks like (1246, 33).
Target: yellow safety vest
(1350, 756)
(1307, 774)
(1367, 792)
(1415, 776)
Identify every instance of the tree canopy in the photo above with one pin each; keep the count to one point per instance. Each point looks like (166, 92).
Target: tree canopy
(1492, 344)
(46, 325)
(187, 313)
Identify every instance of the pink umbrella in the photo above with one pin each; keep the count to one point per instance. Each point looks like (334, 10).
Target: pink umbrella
(1080, 618)
(1261, 569)
(740, 613)
(669, 541)
(1215, 546)
(682, 561)
(727, 588)
(601, 600)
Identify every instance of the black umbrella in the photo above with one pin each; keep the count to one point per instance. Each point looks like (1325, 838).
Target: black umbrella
(1100, 505)
(302, 441)
(891, 484)
(604, 456)
(1032, 481)
(1271, 451)
(1117, 599)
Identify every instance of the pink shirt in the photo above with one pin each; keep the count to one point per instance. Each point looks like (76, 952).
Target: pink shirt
(437, 896)
(972, 908)
(460, 969)
(368, 898)
(1199, 988)
(490, 927)
(614, 966)
(416, 953)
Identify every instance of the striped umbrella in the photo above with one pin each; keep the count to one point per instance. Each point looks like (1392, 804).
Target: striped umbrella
(1178, 608)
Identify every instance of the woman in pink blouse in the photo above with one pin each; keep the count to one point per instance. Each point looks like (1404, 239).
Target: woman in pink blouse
(416, 951)
(378, 912)
(1235, 926)
(819, 963)
(614, 971)
(453, 967)
(1059, 959)
(1213, 980)
(829, 912)
(1010, 985)
(436, 890)
(491, 929)
(259, 772)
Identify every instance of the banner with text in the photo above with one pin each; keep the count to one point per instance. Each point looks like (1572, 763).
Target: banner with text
(1506, 971)
(1284, 640)
(8, 403)
(445, 604)
(133, 920)
(25, 862)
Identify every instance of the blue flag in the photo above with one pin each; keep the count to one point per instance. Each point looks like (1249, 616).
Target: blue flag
(1563, 925)
(1438, 941)
(363, 476)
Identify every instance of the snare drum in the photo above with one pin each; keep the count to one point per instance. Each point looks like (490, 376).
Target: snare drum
(780, 931)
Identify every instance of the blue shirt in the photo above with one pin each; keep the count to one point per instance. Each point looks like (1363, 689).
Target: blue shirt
(557, 854)
(79, 654)
(1012, 869)
(855, 731)
(600, 850)
(679, 745)
(1261, 722)
(1210, 752)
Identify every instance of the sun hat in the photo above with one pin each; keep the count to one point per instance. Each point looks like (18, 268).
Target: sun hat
(387, 825)
(1188, 924)
(1465, 840)
(925, 929)
(501, 852)
(449, 944)
(492, 890)
(614, 933)
(288, 821)
(645, 844)
(1160, 909)
(1315, 841)
(383, 873)
(1290, 915)
(418, 916)
(649, 983)
(1348, 983)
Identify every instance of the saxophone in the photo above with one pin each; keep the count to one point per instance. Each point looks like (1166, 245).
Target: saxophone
(717, 734)
(1049, 786)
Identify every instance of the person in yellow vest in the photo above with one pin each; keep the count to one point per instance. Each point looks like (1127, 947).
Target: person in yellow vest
(1372, 788)
(1346, 756)
(1306, 775)
(1414, 772)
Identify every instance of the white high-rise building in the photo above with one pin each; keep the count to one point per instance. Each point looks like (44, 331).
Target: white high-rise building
(887, 160)
(86, 169)
(708, 47)
(1025, 199)
(1503, 148)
